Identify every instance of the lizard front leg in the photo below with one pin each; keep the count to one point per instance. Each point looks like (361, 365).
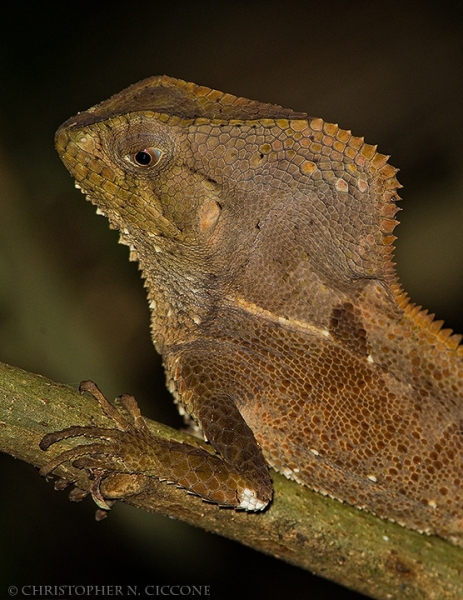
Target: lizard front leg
(238, 478)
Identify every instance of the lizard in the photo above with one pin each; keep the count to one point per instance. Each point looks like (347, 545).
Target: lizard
(265, 240)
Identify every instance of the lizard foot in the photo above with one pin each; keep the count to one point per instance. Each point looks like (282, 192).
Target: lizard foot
(131, 448)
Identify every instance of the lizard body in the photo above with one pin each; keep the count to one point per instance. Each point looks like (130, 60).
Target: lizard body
(265, 241)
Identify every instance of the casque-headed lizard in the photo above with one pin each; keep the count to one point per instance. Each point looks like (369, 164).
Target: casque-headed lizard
(265, 240)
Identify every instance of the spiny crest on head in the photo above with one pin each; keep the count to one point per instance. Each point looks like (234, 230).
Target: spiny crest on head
(179, 98)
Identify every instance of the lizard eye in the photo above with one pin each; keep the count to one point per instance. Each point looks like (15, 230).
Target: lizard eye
(145, 158)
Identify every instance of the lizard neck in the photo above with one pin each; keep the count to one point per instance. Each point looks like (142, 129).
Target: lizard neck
(179, 302)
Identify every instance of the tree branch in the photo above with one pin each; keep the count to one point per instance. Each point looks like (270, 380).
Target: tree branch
(333, 540)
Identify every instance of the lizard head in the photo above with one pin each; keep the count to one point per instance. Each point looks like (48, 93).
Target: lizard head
(131, 156)
(234, 190)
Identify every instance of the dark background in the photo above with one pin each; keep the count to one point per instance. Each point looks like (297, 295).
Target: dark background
(71, 305)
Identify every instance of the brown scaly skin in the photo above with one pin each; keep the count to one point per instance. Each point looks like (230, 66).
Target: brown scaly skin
(265, 240)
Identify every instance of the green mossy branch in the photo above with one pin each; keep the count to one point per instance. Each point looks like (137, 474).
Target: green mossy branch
(335, 541)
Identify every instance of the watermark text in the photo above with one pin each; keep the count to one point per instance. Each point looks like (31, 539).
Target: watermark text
(91, 591)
